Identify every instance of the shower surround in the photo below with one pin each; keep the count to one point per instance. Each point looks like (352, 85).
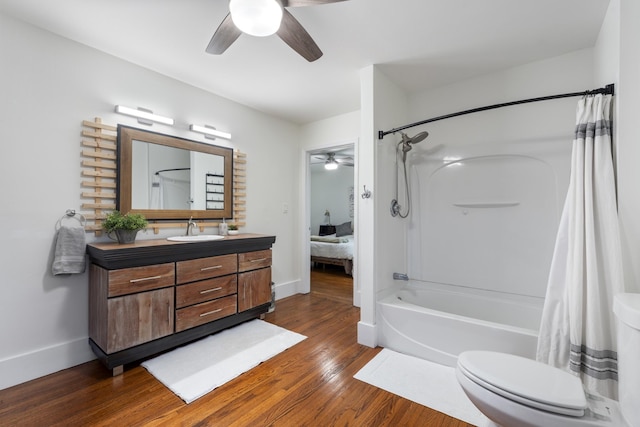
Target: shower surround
(480, 240)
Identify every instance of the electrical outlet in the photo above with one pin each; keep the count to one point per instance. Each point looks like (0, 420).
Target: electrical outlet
(285, 208)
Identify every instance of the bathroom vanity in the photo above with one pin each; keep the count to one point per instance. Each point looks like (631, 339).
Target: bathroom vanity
(153, 295)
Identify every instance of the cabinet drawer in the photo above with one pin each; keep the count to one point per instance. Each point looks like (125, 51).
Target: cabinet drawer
(138, 279)
(204, 268)
(205, 312)
(206, 290)
(253, 260)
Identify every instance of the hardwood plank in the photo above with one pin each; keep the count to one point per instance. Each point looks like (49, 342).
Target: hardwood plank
(310, 384)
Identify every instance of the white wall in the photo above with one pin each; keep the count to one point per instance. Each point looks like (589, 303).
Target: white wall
(629, 140)
(330, 191)
(541, 130)
(336, 131)
(380, 244)
(48, 86)
(331, 132)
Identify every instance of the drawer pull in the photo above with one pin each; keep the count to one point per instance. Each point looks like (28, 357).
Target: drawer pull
(211, 312)
(211, 290)
(143, 279)
(210, 268)
(258, 260)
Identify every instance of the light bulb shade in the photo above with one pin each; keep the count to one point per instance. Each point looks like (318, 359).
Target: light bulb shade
(210, 130)
(256, 17)
(144, 116)
(331, 165)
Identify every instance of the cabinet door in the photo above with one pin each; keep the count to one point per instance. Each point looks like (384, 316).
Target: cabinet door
(254, 288)
(138, 318)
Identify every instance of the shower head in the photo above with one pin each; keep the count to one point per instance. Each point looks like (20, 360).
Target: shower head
(407, 142)
(415, 139)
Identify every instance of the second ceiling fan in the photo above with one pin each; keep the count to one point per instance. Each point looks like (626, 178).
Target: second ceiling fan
(263, 18)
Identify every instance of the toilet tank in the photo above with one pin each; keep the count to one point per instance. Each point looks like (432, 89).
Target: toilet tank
(626, 307)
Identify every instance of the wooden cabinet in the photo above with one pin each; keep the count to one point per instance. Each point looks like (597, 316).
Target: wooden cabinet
(130, 306)
(203, 268)
(200, 302)
(254, 279)
(150, 296)
(205, 312)
(138, 318)
(254, 288)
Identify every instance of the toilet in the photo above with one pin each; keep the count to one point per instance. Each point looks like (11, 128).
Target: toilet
(514, 391)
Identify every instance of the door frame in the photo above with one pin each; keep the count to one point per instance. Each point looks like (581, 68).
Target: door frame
(305, 220)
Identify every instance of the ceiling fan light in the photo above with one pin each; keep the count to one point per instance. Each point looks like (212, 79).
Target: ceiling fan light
(331, 165)
(256, 17)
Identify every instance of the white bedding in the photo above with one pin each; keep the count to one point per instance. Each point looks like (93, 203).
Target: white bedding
(333, 250)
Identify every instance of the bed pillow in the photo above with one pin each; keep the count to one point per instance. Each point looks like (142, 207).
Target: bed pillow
(343, 229)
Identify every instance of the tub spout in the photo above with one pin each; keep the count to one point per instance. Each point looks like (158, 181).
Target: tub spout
(400, 276)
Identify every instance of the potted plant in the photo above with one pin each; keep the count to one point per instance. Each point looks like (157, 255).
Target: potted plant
(124, 227)
(233, 229)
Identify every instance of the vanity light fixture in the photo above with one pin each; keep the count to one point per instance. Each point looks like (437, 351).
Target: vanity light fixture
(144, 116)
(210, 132)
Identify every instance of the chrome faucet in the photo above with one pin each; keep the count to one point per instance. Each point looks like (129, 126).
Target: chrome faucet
(191, 224)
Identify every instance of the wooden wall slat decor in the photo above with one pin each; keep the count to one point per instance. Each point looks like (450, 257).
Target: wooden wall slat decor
(100, 164)
(94, 135)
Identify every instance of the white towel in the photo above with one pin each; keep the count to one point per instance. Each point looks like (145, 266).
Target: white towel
(69, 257)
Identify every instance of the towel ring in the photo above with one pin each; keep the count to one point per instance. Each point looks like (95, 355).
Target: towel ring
(71, 213)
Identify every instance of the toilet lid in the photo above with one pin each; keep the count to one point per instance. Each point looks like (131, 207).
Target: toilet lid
(525, 381)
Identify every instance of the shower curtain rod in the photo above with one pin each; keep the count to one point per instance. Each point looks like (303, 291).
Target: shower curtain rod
(171, 170)
(607, 90)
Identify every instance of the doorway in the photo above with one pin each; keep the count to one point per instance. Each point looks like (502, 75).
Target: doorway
(330, 215)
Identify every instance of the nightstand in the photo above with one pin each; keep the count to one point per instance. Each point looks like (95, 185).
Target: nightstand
(325, 230)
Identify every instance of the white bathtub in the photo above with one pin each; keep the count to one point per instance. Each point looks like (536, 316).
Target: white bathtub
(437, 322)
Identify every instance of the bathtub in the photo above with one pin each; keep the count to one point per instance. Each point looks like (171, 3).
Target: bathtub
(437, 322)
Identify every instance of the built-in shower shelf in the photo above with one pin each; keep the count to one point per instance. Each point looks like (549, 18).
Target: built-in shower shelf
(486, 204)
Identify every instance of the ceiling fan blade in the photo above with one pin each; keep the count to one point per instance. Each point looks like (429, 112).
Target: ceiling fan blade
(294, 34)
(298, 3)
(224, 36)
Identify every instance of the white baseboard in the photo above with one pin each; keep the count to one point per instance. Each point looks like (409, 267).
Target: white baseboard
(284, 290)
(26, 367)
(367, 334)
(29, 366)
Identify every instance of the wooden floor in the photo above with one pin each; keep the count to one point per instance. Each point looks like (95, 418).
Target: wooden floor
(310, 384)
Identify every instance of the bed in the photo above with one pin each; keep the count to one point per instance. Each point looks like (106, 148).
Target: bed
(333, 250)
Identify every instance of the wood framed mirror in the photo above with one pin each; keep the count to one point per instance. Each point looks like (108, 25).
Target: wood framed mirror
(168, 177)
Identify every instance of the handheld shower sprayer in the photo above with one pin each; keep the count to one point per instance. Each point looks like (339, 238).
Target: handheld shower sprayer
(405, 145)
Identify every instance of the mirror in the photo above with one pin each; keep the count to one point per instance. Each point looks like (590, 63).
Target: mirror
(167, 177)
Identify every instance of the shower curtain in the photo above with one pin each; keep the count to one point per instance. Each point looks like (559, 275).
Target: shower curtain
(577, 332)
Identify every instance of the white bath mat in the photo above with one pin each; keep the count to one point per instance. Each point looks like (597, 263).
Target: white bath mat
(427, 383)
(196, 369)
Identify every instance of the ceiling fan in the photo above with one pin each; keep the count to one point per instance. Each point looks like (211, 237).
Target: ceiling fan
(263, 18)
(332, 160)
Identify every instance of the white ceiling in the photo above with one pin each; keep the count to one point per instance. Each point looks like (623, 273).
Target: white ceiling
(420, 44)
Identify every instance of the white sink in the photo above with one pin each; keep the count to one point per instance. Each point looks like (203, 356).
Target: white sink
(196, 238)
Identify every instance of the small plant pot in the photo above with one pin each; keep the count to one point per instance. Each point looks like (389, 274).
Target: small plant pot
(232, 232)
(123, 236)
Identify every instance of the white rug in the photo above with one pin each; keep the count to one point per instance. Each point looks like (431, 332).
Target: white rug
(195, 369)
(423, 382)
